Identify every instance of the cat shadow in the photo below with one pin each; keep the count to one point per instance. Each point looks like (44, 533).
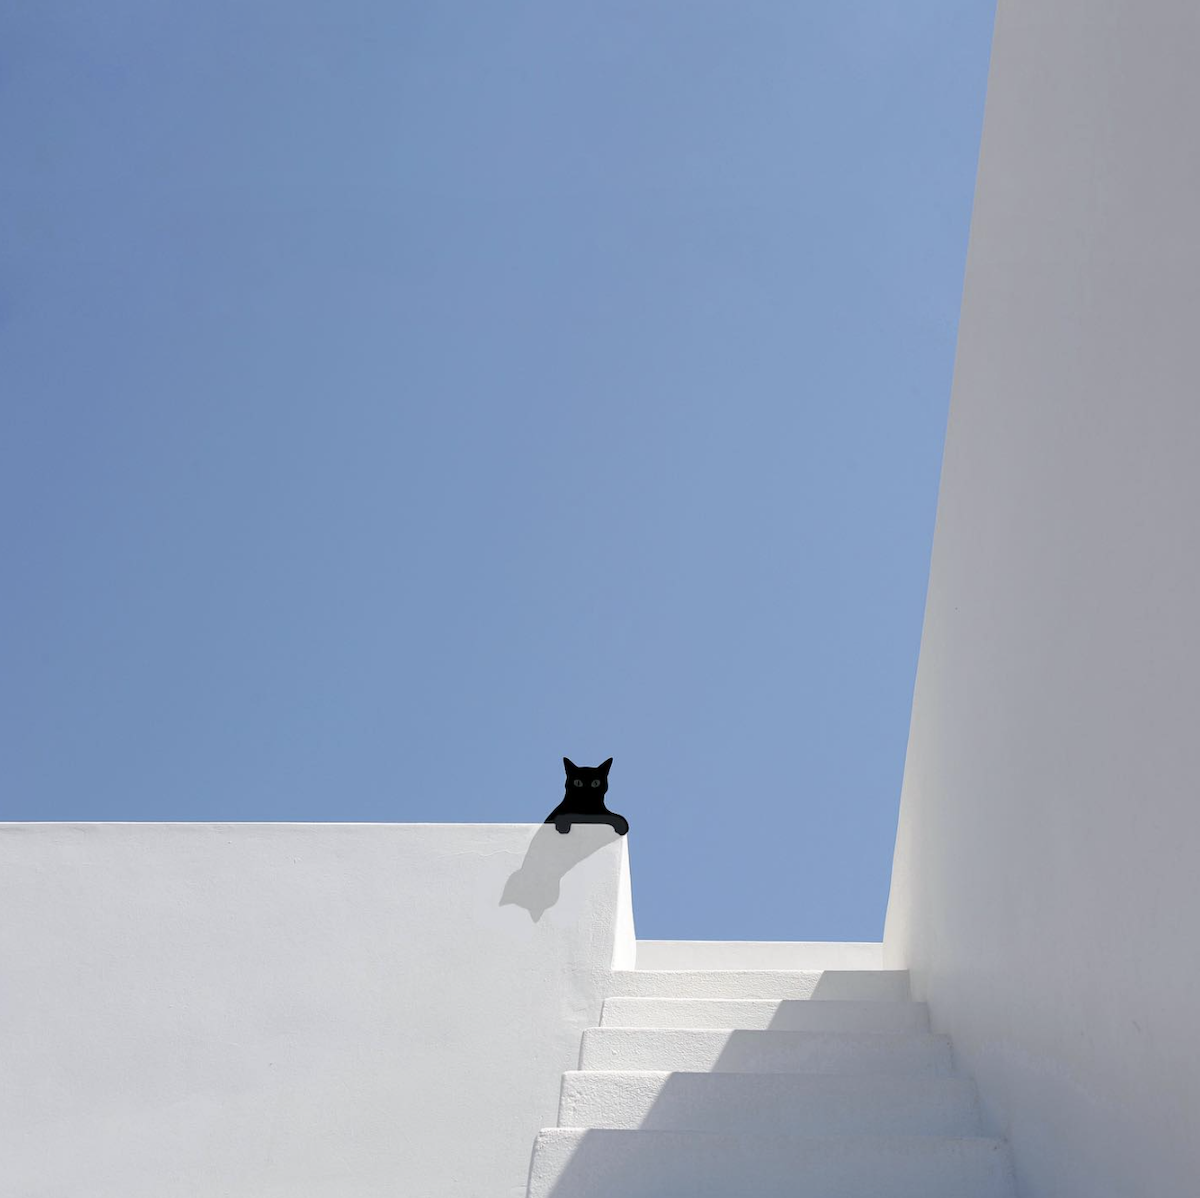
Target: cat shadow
(550, 856)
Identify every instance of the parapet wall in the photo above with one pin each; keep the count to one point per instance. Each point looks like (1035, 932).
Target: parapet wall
(296, 1009)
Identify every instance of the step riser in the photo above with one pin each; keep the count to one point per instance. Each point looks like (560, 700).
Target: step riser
(705, 1051)
(650, 1164)
(760, 954)
(787, 1015)
(857, 985)
(769, 1104)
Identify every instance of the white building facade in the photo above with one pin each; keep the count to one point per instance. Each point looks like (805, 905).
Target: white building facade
(452, 1011)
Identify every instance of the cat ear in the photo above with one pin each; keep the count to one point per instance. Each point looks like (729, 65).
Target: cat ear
(603, 766)
(570, 766)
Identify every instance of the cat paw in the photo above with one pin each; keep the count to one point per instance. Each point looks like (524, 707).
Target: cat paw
(562, 825)
(620, 825)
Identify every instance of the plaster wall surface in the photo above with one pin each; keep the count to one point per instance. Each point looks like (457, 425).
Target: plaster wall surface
(1047, 883)
(300, 1010)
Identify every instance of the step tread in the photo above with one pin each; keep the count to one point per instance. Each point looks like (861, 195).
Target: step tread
(873, 985)
(784, 1014)
(742, 1051)
(590, 1163)
(820, 1104)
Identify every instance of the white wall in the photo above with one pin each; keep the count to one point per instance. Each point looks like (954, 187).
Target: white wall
(294, 1010)
(1046, 889)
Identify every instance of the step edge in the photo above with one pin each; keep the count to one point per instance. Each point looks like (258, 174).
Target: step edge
(787, 1137)
(829, 1002)
(813, 1075)
(889, 973)
(619, 1029)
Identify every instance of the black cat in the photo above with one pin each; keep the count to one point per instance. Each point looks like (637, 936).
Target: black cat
(584, 801)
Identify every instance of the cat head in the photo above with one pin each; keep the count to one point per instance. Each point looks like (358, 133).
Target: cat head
(589, 780)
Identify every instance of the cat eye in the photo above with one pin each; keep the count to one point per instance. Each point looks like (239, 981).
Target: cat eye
(595, 781)
(578, 782)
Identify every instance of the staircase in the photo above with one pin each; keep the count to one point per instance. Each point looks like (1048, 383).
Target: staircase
(765, 1071)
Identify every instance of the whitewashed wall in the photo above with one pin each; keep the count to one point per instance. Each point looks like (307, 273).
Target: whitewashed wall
(1046, 889)
(295, 1010)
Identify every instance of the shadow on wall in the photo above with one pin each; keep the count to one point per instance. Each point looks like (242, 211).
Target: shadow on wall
(535, 886)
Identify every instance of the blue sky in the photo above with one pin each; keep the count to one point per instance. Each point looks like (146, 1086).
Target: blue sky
(398, 397)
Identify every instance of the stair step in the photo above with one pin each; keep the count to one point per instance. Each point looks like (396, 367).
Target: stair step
(783, 1015)
(696, 1050)
(590, 1163)
(758, 954)
(863, 985)
(772, 1103)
